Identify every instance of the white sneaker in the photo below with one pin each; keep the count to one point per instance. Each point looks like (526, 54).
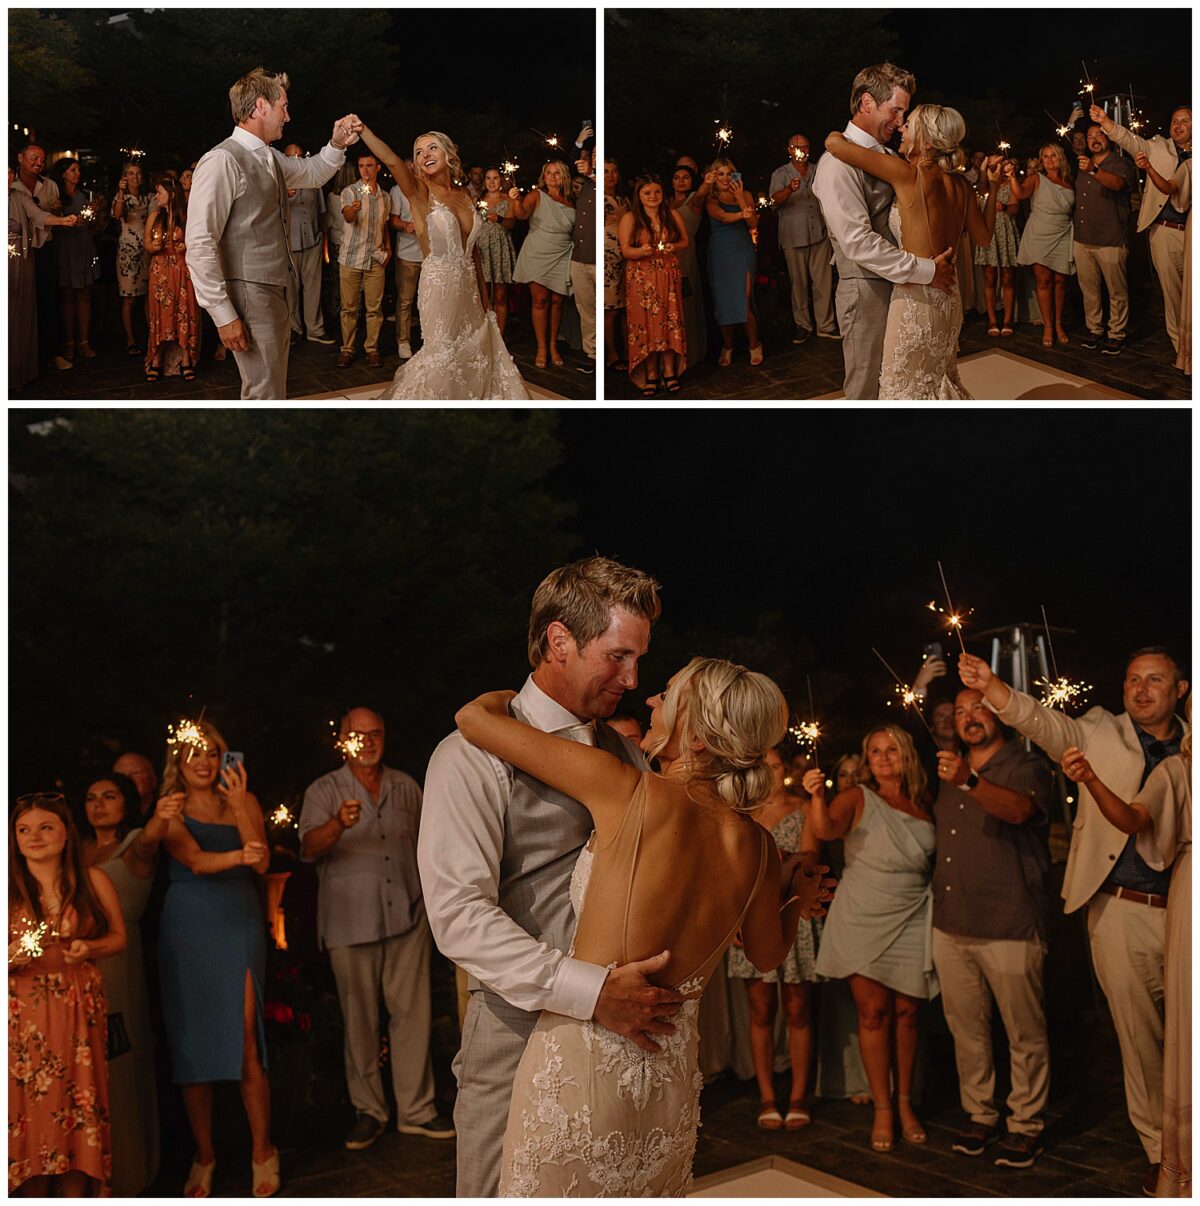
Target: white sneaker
(404, 350)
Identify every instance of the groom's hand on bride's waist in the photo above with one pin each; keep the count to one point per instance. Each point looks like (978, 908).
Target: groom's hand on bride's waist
(944, 277)
(630, 1005)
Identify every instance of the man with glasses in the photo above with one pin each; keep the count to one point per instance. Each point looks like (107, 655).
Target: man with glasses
(359, 825)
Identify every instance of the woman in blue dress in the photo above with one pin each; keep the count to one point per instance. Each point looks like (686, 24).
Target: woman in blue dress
(213, 952)
(732, 259)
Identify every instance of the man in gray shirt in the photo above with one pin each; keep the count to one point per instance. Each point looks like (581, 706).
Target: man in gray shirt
(804, 242)
(359, 825)
(989, 924)
(306, 238)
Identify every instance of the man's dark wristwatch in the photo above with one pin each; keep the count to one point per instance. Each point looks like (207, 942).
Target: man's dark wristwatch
(972, 782)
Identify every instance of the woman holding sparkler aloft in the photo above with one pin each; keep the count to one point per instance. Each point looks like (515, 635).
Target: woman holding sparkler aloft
(879, 930)
(62, 917)
(213, 949)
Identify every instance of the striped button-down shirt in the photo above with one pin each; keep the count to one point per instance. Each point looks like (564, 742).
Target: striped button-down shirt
(365, 234)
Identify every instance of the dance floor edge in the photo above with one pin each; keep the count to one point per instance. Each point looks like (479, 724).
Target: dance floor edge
(368, 393)
(997, 375)
(776, 1177)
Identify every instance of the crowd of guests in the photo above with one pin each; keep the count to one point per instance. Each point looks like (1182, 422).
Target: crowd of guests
(938, 833)
(1067, 212)
(67, 245)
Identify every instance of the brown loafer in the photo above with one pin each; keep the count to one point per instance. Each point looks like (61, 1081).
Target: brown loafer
(374, 360)
(345, 359)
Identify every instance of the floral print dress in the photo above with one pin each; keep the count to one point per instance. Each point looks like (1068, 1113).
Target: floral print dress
(133, 261)
(58, 1117)
(654, 307)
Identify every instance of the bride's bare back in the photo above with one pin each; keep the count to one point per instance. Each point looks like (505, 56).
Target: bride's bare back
(934, 207)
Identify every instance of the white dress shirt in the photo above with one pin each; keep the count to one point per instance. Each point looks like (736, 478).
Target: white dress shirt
(459, 852)
(216, 184)
(839, 191)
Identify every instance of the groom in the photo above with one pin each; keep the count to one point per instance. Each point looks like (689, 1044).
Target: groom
(237, 229)
(856, 207)
(497, 849)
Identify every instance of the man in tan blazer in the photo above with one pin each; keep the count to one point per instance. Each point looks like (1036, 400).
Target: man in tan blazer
(1126, 900)
(1166, 201)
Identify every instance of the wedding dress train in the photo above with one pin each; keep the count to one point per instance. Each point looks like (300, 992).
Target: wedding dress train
(463, 357)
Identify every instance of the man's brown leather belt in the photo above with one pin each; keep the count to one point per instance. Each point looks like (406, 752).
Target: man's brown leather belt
(1172, 225)
(1146, 898)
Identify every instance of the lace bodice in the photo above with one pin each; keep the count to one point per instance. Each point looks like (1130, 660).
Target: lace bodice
(445, 233)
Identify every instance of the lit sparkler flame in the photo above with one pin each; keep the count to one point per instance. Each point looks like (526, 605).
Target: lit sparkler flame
(14, 249)
(29, 941)
(1063, 131)
(1061, 691)
(187, 732)
(482, 206)
(552, 141)
(1003, 146)
(87, 213)
(724, 135)
(763, 202)
(805, 732)
(510, 167)
(282, 817)
(799, 154)
(954, 619)
(349, 746)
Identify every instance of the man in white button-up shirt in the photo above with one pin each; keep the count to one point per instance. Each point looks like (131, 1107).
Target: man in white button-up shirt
(856, 207)
(497, 849)
(237, 229)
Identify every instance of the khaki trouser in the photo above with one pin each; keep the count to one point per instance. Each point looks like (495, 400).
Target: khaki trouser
(811, 265)
(1127, 952)
(397, 967)
(308, 274)
(263, 310)
(1166, 253)
(1107, 263)
(862, 310)
(368, 281)
(973, 972)
(408, 276)
(583, 289)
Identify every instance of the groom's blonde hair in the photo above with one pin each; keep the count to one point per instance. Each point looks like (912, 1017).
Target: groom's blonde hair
(243, 96)
(880, 81)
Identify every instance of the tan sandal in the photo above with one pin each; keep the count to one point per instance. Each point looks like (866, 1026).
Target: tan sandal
(264, 1177)
(199, 1181)
(912, 1134)
(883, 1138)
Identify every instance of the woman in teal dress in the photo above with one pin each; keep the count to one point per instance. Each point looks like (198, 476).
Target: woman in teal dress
(497, 255)
(213, 952)
(127, 856)
(879, 929)
(732, 259)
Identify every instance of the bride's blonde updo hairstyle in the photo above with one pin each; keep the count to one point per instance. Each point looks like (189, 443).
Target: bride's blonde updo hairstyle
(938, 131)
(450, 149)
(738, 716)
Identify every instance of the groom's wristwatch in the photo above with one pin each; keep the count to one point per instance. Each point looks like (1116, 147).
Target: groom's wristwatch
(972, 782)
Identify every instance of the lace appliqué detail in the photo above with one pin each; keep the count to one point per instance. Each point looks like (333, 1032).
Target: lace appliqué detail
(920, 347)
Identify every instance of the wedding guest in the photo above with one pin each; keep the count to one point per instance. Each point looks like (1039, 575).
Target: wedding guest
(335, 227)
(1166, 207)
(141, 770)
(363, 259)
(688, 202)
(172, 312)
(627, 726)
(58, 1129)
(213, 952)
(131, 207)
(1000, 257)
(475, 182)
(1046, 243)
(731, 259)
(78, 266)
(990, 909)
(25, 222)
(127, 853)
(306, 238)
(615, 207)
(371, 919)
(688, 162)
(497, 255)
(185, 180)
(783, 816)
(545, 260)
(408, 258)
(583, 256)
(875, 931)
(1160, 817)
(1126, 898)
(1102, 191)
(650, 234)
(804, 242)
(31, 164)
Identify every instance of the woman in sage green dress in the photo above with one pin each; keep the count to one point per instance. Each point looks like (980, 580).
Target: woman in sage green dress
(497, 255)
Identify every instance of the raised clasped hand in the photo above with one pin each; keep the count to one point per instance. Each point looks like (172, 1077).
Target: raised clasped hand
(973, 671)
(1097, 114)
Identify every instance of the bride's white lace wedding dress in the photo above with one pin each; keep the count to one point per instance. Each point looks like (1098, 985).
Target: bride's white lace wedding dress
(593, 1115)
(463, 356)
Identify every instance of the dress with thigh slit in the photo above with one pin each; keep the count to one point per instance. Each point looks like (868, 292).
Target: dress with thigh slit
(731, 256)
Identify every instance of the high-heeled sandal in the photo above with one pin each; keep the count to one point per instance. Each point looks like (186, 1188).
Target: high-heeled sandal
(1047, 339)
(265, 1176)
(199, 1180)
(912, 1134)
(557, 360)
(883, 1139)
(539, 361)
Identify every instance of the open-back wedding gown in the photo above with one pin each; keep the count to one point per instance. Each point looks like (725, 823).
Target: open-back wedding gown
(463, 356)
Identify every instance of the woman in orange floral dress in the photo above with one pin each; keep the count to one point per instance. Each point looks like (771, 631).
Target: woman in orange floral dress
(174, 315)
(62, 917)
(650, 235)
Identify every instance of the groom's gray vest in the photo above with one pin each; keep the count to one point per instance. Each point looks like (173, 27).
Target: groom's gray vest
(879, 195)
(254, 244)
(544, 830)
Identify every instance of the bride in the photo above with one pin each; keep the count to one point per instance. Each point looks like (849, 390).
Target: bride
(933, 202)
(677, 864)
(463, 356)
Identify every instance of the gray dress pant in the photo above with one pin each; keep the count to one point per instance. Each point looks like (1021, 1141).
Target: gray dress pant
(494, 1038)
(263, 310)
(307, 281)
(862, 310)
(397, 967)
(811, 265)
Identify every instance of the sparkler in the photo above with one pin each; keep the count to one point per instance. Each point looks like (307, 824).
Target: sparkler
(763, 201)
(724, 135)
(799, 154)
(349, 746)
(908, 697)
(1088, 89)
(87, 213)
(282, 817)
(31, 940)
(1059, 128)
(1059, 691)
(953, 619)
(482, 206)
(188, 732)
(14, 247)
(814, 728)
